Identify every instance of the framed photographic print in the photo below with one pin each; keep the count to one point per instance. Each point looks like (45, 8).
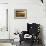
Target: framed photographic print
(20, 13)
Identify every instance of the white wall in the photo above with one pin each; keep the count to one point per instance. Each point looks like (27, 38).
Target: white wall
(3, 21)
(3, 1)
(35, 13)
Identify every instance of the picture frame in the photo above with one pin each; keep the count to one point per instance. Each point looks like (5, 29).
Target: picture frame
(20, 13)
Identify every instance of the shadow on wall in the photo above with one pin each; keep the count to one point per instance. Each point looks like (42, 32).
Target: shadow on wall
(41, 34)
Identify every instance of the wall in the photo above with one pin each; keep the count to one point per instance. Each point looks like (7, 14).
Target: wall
(3, 34)
(3, 1)
(35, 13)
(3, 21)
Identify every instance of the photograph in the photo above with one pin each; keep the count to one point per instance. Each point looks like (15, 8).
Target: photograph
(20, 13)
